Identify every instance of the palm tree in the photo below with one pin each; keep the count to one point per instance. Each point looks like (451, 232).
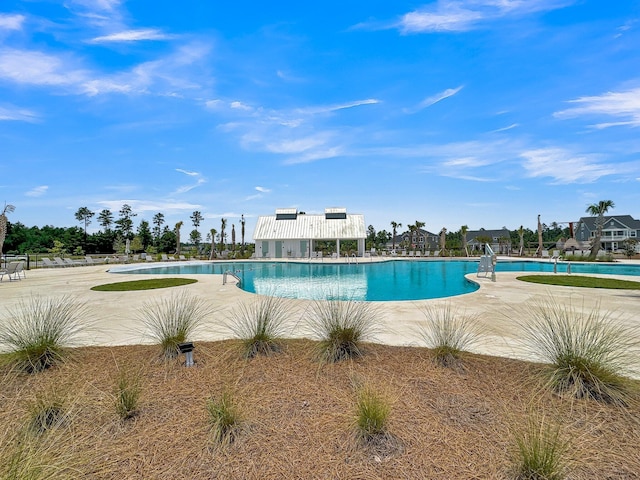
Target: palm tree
(177, 230)
(539, 251)
(212, 255)
(463, 232)
(443, 240)
(223, 225)
(242, 231)
(521, 235)
(395, 226)
(412, 234)
(3, 224)
(598, 209)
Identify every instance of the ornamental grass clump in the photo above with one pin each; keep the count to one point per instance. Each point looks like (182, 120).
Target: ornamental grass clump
(342, 327)
(589, 353)
(372, 414)
(46, 412)
(260, 326)
(127, 394)
(173, 320)
(38, 332)
(224, 418)
(448, 333)
(540, 452)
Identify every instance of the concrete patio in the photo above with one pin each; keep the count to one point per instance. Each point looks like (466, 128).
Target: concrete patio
(114, 314)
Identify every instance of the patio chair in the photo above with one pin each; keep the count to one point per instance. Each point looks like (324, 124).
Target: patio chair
(182, 258)
(13, 271)
(418, 254)
(436, 253)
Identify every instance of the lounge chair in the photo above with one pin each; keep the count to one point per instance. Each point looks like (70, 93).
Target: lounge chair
(436, 253)
(46, 262)
(165, 258)
(149, 258)
(72, 263)
(412, 253)
(59, 262)
(418, 254)
(13, 271)
(182, 258)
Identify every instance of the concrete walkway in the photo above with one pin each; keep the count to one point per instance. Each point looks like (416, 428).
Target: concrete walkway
(114, 314)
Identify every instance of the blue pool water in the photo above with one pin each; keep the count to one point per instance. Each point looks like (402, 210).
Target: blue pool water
(383, 281)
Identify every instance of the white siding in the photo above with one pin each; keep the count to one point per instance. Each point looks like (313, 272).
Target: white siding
(306, 227)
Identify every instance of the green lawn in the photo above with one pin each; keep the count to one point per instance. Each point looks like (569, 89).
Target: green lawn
(581, 281)
(143, 284)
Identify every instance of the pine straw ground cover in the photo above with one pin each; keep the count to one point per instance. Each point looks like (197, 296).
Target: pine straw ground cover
(297, 417)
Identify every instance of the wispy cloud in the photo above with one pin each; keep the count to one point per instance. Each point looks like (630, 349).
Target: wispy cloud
(133, 36)
(464, 15)
(624, 105)
(169, 206)
(296, 133)
(263, 190)
(433, 99)
(187, 172)
(167, 75)
(18, 114)
(37, 191)
(11, 22)
(199, 181)
(564, 166)
(504, 129)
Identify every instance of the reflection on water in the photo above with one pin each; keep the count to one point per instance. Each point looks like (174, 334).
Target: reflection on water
(339, 285)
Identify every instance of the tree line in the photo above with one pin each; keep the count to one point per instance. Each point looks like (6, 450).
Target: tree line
(119, 234)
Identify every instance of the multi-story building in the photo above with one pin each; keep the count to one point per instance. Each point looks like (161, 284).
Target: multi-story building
(615, 230)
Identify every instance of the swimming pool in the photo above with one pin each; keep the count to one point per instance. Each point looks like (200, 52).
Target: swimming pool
(379, 281)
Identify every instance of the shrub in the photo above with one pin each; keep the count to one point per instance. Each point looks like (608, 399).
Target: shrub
(540, 452)
(448, 333)
(342, 327)
(260, 325)
(127, 394)
(372, 414)
(224, 418)
(172, 320)
(589, 354)
(39, 331)
(47, 412)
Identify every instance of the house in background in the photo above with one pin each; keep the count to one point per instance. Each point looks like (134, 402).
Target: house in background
(293, 234)
(419, 240)
(615, 230)
(499, 240)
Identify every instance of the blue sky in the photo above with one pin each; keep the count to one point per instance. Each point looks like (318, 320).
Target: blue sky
(452, 112)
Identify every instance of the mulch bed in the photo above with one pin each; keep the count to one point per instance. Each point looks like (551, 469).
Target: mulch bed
(298, 417)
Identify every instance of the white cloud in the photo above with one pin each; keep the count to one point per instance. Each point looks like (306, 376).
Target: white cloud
(199, 180)
(36, 68)
(504, 129)
(263, 190)
(335, 108)
(11, 22)
(564, 166)
(624, 105)
(168, 207)
(133, 36)
(433, 99)
(161, 77)
(187, 172)
(240, 106)
(18, 114)
(37, 191)
(464, 15)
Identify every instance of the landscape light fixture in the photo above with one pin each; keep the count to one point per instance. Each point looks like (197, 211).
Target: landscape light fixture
(187, 349)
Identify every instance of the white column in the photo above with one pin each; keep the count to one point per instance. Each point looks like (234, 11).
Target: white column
(338, 246)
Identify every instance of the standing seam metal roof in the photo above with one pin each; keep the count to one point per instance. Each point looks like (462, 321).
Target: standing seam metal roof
(306, 227)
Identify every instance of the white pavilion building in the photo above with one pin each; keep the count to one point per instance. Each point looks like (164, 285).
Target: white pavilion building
(293, 234)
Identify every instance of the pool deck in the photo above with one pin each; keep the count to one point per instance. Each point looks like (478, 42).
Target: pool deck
(114, 314)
